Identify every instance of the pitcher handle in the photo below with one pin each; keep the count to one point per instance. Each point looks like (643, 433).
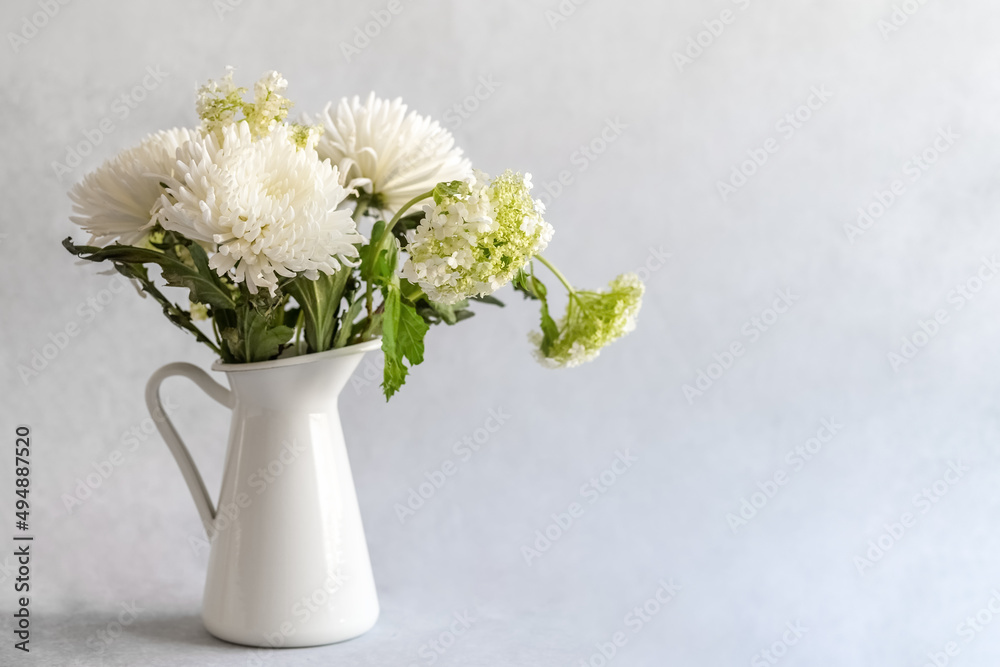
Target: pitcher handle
(166, 428)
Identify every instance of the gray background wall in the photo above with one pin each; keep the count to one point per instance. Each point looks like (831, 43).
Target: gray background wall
(652, 189)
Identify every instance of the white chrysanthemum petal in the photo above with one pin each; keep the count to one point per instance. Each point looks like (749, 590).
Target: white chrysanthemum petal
(272, 208)
(398, 155)
(119, 200)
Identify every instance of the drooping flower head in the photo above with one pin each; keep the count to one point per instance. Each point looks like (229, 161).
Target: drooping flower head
(474, 239)
(269, 206)
(592, 321)
(391, 154)
(118, 200)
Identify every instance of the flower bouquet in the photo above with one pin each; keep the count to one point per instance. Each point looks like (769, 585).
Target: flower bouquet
(301, 246)
(295, 238)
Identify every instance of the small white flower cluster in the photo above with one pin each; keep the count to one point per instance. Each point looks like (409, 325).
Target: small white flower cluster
(593, 320)
(473, 242)
(220, 103)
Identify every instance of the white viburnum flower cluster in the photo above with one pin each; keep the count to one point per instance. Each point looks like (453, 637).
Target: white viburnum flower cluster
(474, 241)
(221, 102)
(391, 154)
(592, 321)
(270, 208)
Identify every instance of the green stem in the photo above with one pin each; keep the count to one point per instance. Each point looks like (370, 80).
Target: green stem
(404, 209)
(369, 299)
(558, 274)
(362, 206)
(184, 319)
(215, 330)
(300, 322)
(387, 234)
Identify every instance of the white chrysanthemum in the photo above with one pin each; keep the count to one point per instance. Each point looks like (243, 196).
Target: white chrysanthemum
(270, 207)
(593, 320)
(119, 200)
(473, 242)
(395, 155)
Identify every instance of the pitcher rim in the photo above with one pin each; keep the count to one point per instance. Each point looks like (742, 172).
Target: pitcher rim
(366, 346)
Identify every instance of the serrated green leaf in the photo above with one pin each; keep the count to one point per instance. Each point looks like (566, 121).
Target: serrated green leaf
(394, 373)
(412, 330)
(448, 189)
(403, 331)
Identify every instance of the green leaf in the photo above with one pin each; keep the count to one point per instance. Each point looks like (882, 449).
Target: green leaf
(550, 330)
(130, 262)
(368, 252)
(490, 299)
(394, 374)
(320, 301)
(403, 331)
(524, 282)
(448, 313)
(256, 338)
(203, 284)
(347, 322)
(386, 261)
(448, 189)
(412, 330)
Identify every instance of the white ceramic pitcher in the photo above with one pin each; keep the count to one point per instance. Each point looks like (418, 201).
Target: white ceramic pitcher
(288, 564)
